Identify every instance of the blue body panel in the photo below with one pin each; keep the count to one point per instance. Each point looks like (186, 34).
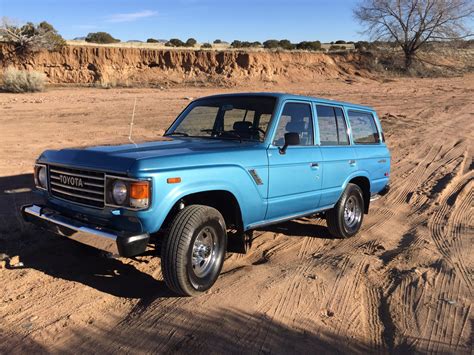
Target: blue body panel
(291, 184)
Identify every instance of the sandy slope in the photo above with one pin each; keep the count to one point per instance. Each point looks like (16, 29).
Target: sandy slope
(404, 283)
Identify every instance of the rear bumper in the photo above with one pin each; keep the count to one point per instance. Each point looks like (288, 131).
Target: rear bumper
(100, 238)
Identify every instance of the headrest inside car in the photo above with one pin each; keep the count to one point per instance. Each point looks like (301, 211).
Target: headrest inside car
(242, 126)
(295, 126)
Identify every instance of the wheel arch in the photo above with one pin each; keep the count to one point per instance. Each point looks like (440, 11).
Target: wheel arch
(364, 183)
(222, 200)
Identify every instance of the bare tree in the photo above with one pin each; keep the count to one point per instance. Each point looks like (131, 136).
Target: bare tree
(411, 23)
(30, 37)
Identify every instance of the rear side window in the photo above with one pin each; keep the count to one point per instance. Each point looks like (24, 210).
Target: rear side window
(296, 118)
(332, 126)
(364, 129)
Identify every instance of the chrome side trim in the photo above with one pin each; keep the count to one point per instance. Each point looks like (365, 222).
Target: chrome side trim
(80, 233)
(287, 218)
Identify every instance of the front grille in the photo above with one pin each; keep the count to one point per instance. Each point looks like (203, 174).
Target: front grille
(77, 185)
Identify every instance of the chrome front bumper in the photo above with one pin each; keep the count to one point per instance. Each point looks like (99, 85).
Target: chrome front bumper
(97, 237)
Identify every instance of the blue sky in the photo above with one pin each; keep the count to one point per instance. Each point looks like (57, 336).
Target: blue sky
(205, 20)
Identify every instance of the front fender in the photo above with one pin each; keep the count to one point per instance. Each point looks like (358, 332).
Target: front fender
(233, 179)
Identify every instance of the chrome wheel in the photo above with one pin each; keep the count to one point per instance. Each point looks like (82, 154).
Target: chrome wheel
(204, 252)
(352, 212)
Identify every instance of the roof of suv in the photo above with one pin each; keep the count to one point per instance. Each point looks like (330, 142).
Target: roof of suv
(284, 96)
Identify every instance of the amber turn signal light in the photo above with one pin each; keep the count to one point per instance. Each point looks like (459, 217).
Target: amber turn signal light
(174, 180)
(140, 190)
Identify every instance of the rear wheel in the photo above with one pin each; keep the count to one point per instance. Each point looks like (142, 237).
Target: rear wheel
(193, 251)
(345, 219)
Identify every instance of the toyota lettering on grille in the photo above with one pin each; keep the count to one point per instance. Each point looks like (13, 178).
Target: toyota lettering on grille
(71, 181)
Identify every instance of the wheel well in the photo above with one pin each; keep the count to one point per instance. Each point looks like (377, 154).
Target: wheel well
(223, 201)
(364, 185)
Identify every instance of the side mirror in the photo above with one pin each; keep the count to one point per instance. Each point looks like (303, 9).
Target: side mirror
(291, 138)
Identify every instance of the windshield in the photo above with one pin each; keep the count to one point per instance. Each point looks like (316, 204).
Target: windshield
(233, 117)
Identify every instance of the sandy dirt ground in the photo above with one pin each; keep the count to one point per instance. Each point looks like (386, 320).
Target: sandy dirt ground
(404, 283)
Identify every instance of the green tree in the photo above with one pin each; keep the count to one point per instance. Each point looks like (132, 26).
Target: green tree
(286, 44)
(31, 37)
(175, 42)
(309, 45)
(152, 40)
(101, 37)
(190, 42)
(271, 44)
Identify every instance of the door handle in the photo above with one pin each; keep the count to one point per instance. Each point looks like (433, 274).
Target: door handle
(352, 162)
(314, 165)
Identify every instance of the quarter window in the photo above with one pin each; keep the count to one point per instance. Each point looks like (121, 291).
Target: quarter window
(332, 126)
(364, 130)
(297, 118)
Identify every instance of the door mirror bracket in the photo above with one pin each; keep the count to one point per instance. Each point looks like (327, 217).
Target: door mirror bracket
(291, 138)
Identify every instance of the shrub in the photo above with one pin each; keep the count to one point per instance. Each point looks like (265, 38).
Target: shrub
(336, 47)
(245, 44)
(362, 45)
(190, 42)
(341, 42)
(31, 37)
(286, 44)
(309, 45)
(152, 40)
(218, 41)
(271, 44)
(15, 80)
(175, 42)
(101, 37)
(206, 45)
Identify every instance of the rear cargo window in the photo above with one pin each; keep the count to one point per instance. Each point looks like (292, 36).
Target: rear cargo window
(332, 126)
(364, 129)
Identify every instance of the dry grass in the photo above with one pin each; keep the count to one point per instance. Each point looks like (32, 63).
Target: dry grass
(15, 80)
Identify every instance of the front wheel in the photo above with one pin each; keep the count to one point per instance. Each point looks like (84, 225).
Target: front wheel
(193, 251)
(345, 219)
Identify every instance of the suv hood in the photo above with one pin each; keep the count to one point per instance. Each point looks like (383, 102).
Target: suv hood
(119, 158)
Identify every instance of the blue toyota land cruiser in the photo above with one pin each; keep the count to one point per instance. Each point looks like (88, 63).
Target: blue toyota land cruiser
(227, 165)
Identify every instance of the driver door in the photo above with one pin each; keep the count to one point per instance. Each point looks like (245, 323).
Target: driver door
(294, 177)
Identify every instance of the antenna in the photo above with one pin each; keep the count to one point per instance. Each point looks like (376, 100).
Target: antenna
(131, 123)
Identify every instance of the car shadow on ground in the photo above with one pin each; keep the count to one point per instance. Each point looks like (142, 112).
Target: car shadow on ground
(302, 227)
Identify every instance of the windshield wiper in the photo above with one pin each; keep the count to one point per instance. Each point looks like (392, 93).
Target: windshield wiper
(223, 134)
(176, 134)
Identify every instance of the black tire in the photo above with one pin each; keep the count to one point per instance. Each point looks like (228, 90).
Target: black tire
(200, 229)
(341, 225)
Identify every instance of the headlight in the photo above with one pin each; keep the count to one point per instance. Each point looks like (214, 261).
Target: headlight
(41, 176)
(128, 193)
(119, 192)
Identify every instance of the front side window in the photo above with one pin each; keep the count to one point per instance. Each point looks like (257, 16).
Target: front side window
(297, 118)
(231, 117)
(332, 126)
(364, 130)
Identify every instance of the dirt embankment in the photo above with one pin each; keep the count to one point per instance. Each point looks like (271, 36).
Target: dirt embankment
(123, 66)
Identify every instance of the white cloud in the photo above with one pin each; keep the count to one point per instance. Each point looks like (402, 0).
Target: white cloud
(131, 16)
